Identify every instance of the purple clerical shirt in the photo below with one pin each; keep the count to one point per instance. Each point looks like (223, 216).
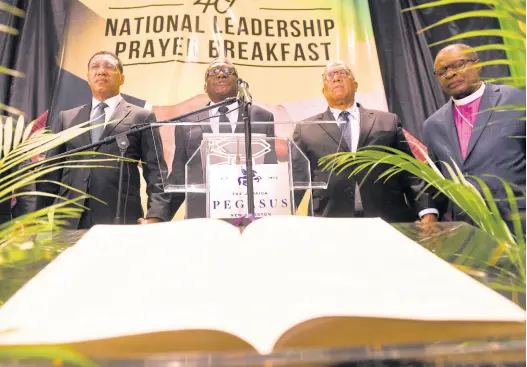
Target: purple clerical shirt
(465, 125)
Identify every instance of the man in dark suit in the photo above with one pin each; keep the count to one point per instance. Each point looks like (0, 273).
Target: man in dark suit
(105, 77)
(393, 200)
(481, 140)
(23, 204)
(221, 82)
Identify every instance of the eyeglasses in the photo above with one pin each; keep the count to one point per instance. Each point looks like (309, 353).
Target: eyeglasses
(108, 66)
(455, 66)
(224, 70)
(340, 73)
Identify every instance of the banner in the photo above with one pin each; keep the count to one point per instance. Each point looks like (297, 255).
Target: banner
(279, 47)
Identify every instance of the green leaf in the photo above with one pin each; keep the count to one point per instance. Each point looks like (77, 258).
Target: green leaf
(51, 353)
(4, 70)
(9, 30)
(434, 4)
(496, 46)
(481, 33)
(11, 9)
(28, 130)
(19, 130)
(12, 110)
(491, 13)
(8, 135)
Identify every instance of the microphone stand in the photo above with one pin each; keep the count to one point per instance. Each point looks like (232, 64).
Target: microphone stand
(123, 143)
(246, 115)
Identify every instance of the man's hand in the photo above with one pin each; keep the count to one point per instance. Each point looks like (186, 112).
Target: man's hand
(428, 226)
(428, 218)
(147, 220)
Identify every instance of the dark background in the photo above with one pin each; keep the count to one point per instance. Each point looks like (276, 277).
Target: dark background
(405, 59)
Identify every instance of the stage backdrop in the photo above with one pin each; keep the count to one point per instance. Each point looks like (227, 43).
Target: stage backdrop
(279, 47)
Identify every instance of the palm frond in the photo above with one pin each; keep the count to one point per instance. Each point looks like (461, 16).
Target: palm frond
(8, 30)
(55, 355)
(490, 13)
(434, 4)
(12, 9)
(9, 109)
(514, 81)
(505, 34)
(12, 72)
(477, 202)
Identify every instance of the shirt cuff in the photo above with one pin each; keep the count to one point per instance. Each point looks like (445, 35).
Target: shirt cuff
(423, 212)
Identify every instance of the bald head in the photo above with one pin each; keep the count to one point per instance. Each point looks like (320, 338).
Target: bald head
(460, 48)
(339, 85)
(335, 65)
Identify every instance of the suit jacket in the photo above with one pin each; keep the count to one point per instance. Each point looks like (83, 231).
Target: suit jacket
(188, 140)
(392, 200)
(491, 150)
(103, 182)
(24, 204)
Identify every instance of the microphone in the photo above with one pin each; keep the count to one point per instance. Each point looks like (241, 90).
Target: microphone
(243, 92)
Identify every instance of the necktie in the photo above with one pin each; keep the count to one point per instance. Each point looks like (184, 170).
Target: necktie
(98, 118)
(223, 118)
(345, 129)
(346, 134)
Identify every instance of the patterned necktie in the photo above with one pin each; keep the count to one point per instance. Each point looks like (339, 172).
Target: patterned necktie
(346, 134)
(345, 129)
(223, 118)
(98, 118)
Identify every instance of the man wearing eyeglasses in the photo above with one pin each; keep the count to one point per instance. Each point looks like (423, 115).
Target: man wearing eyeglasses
(394, 199)
(105, 77)
(221, 82)
(481, 139)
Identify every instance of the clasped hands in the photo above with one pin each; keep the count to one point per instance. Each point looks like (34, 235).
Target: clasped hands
(147, 220)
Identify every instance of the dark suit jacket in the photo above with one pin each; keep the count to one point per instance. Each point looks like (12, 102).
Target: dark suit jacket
(103, 182)
(492, 149)
(188, 140)
(392, 200)
(24, 204)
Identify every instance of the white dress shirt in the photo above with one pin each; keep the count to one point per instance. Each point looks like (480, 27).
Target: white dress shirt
(214, 117)
(112, 105)
(354, 119)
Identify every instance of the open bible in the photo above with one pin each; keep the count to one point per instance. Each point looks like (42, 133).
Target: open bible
(286, 282)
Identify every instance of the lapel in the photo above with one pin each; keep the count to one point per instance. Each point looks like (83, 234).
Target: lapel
(488, 100)
(82, 116)
(240, 128)
(451, 133)
(121, 111)
(333, 130)
(367, 120)
(204, 117)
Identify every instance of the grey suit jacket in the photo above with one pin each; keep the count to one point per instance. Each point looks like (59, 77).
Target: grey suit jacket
(393, 200)
(103, 182)
(188, 140)
(492, 151)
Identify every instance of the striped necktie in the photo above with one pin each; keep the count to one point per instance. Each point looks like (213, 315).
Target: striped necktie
(98, 118)
(345, 129)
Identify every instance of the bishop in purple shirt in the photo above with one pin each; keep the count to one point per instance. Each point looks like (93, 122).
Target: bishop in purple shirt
(483, 141)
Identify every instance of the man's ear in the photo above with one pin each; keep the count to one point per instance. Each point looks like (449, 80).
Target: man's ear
(122, 79)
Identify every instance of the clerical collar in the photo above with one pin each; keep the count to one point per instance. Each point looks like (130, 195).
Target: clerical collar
(471, 98)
